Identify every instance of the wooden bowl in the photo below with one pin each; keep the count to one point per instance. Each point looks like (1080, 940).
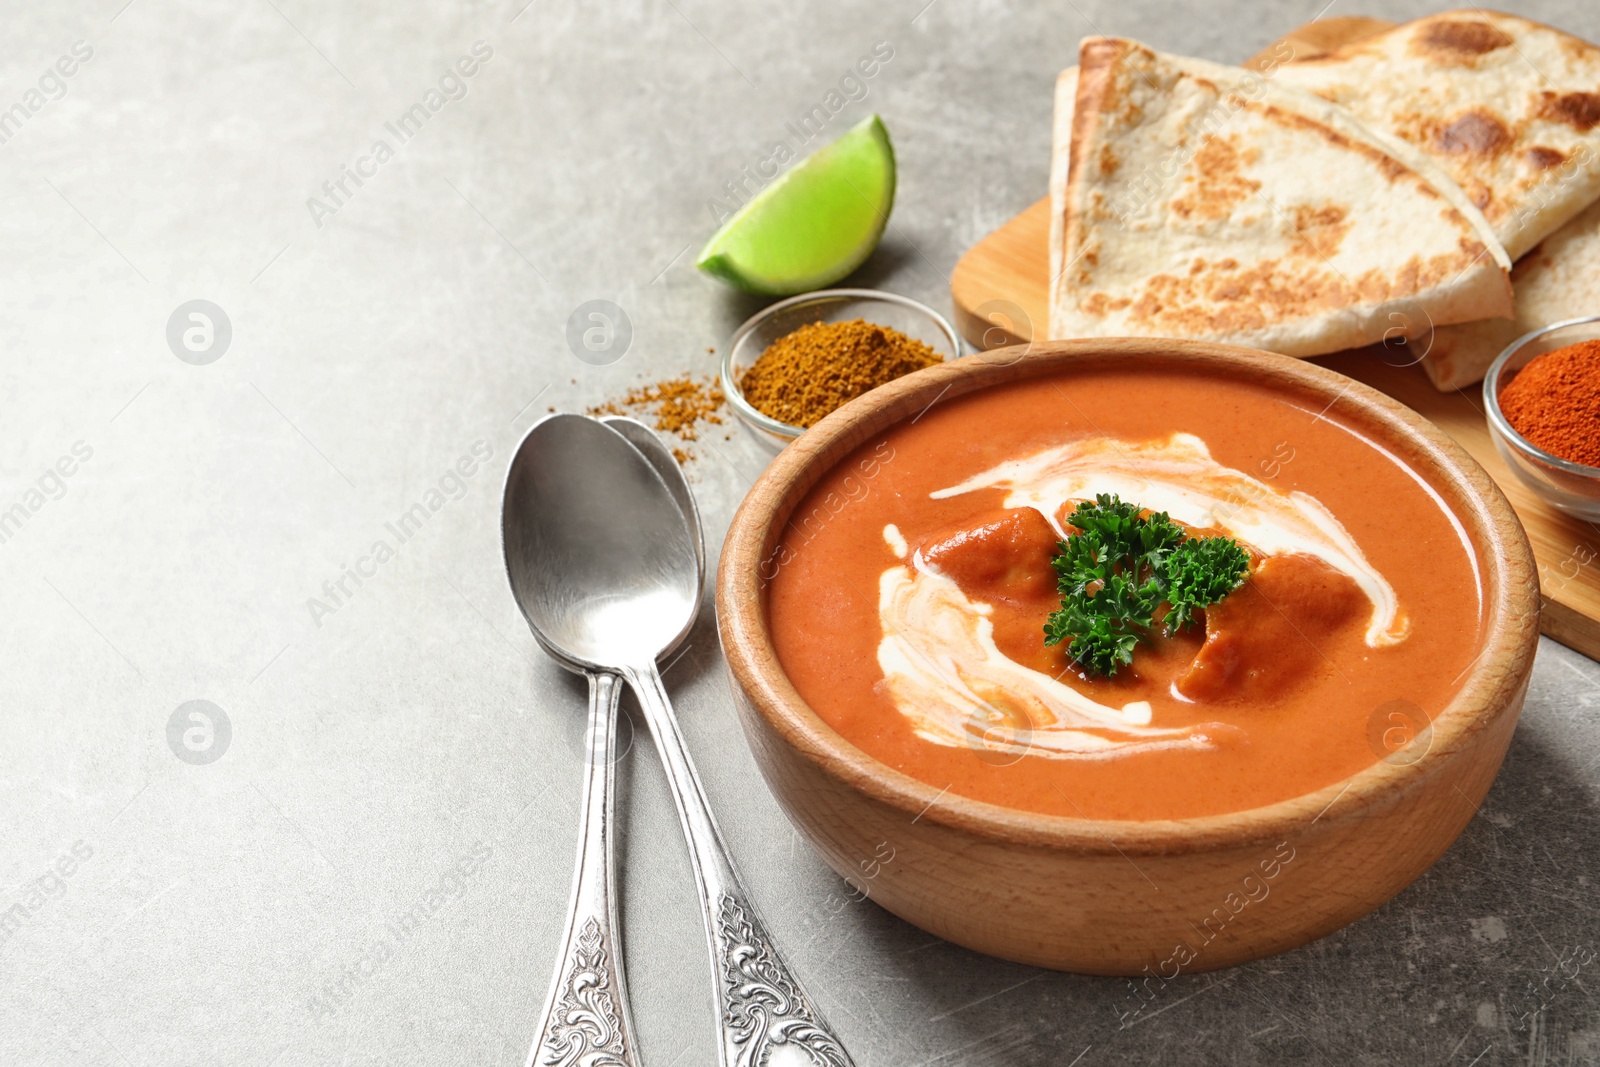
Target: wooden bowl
(1130, 897)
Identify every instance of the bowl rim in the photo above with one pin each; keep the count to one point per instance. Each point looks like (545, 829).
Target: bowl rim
(730, 385)
(1498, 673)
(1497, 419)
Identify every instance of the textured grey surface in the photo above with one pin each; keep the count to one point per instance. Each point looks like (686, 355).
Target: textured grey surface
(375, 870)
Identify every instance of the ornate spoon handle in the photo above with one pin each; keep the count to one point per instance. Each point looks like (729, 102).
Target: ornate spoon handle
(761, 1007)
(585, 1021)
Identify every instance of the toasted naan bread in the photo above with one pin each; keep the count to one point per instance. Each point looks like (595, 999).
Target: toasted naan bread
(1207, 201)
(1558, 280)
(1510, 108)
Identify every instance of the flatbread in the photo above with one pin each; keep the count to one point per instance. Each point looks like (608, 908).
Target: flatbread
(1060, 163)
(1209, 201)
(1510, 108)
(1558, 280)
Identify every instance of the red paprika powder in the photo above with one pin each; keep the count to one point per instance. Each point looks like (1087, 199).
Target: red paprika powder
(1554, 402)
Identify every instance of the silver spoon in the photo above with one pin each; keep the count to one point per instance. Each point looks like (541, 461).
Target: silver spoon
(586, 1015)
(610, 558)
(593, 888)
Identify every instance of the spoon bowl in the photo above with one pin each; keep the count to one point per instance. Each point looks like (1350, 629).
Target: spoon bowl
(600, 556)
(649, 445)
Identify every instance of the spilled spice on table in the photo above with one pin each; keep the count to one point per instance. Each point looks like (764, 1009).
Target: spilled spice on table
(675, 405)
(807, 373)
(1554, 402)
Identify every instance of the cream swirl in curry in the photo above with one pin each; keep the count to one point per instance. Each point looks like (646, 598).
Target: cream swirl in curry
(952, 682)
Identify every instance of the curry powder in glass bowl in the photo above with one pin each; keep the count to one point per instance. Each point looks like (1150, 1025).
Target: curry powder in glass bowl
(822, 350)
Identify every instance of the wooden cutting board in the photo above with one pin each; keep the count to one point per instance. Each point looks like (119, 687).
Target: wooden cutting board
(999, 290)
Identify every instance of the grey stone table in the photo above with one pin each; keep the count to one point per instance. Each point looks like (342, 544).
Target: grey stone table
(392, 211)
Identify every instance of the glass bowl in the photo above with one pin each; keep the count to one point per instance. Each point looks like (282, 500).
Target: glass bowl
(1571, 487)
(917, 321)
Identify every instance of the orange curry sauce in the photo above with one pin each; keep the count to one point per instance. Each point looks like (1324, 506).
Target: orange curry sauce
(1303, 693)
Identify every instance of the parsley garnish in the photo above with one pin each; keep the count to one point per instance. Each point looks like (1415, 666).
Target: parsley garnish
(1115, 574)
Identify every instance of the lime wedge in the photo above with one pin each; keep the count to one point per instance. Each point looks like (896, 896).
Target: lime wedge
(814, 225)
